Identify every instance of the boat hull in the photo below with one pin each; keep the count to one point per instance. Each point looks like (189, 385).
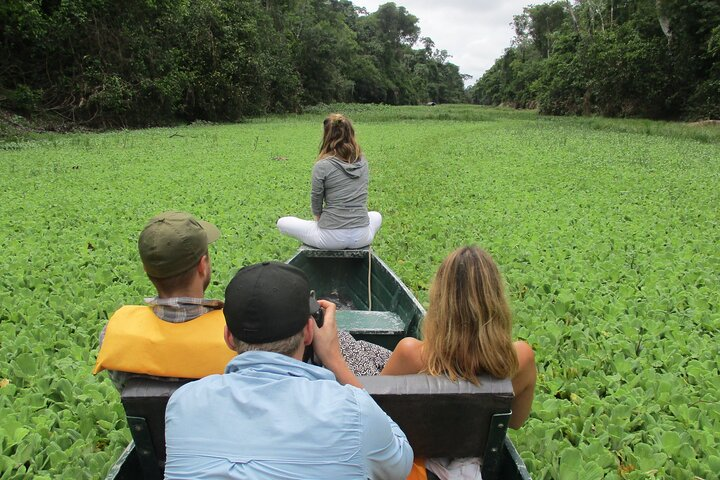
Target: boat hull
(373, 303)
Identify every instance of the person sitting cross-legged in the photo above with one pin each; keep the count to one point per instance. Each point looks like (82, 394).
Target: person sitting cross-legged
(339, 194)
(270, 415)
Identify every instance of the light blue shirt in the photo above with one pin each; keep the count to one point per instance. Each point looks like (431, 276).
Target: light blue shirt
(273, 417)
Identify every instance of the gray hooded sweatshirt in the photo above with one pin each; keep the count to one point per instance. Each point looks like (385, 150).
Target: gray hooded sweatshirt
(343, 187)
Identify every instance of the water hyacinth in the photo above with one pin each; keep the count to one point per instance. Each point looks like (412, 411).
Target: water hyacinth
(605, 230)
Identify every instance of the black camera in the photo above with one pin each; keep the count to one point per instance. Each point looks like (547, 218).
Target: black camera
(309, 354)
(319, 317)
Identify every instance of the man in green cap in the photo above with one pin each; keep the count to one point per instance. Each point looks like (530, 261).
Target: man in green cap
(178, 334)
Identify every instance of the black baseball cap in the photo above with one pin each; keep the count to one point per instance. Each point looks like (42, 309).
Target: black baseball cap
(267, 302)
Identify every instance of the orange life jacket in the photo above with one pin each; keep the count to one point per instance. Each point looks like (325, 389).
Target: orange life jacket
(137, 341)
(418, 472)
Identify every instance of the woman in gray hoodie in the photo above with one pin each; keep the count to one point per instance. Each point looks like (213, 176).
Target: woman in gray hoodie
(339, 194)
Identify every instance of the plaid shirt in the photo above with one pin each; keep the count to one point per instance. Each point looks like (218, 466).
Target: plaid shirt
(182, 309)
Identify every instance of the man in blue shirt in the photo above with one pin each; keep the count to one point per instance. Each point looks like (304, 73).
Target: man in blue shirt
(271, 416)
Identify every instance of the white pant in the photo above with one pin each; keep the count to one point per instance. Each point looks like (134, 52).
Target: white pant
(308, 232)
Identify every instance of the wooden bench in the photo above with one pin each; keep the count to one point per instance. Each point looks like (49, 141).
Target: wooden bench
(441, 418)
(363, 323)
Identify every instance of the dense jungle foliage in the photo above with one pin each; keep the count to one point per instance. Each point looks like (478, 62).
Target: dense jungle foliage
(650, 58)
(145, 62)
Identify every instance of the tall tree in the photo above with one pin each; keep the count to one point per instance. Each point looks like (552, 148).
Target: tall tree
(144, 62)
(612, 57)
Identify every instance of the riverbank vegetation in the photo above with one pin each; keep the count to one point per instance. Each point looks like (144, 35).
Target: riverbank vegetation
(145, 62)
(617, 58)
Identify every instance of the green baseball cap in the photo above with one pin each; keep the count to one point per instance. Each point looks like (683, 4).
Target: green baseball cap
(173, 242)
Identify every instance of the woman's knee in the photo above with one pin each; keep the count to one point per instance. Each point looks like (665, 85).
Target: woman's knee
(282, 224)
(294, 226)
(375, 223)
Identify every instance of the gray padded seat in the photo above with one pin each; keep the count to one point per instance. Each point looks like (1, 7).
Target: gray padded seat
(441, 418)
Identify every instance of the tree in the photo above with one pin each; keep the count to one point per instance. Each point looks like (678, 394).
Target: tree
(147, 62)
(650, 58)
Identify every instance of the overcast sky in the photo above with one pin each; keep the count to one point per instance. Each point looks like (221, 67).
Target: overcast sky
(474, 32)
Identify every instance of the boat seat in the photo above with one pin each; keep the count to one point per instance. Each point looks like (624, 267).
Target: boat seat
(439, 417)
(381, 328)
(370, 322)
(345, 253)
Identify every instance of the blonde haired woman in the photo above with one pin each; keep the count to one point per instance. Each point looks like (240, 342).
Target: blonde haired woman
(467, 331)
(339, 194)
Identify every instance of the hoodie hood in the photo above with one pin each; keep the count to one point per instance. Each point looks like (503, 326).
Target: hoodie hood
(352, 170)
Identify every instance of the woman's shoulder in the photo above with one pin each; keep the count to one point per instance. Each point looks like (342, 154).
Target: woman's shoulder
(409, 344)
(406, 358)
(323, 165)
(329, 159)
(525, 353)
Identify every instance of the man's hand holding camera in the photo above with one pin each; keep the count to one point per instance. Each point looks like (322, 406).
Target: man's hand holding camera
(327, 347)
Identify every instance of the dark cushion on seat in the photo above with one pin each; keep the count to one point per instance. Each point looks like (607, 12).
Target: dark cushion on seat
(442, 418)
(148, 398)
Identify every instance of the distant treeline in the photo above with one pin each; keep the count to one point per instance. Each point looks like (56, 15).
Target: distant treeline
(650, 58)
(144, 62)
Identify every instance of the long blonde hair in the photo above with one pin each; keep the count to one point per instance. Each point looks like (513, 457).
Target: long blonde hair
(468, 327)
(339, 139)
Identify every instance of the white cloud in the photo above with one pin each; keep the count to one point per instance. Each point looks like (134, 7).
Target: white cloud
(474, 32)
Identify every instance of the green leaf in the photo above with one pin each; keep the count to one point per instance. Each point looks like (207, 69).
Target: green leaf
(19, 434)
(591, 471)
(647, 458)
(571, 464)
(25, 365)
(713, 463)
(671, 442)
(24, 452)
(6, 464)
(105, 425)
(597, 452)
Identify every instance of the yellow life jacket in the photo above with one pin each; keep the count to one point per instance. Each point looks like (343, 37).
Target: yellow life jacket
(137, 341)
